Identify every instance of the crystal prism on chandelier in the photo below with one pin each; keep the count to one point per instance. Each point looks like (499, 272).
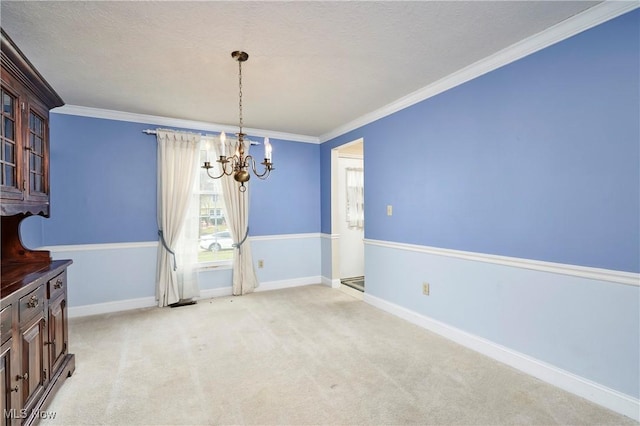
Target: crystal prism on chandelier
(240, 164)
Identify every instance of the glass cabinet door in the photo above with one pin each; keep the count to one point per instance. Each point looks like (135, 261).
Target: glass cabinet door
(36, 154)
(10, 180)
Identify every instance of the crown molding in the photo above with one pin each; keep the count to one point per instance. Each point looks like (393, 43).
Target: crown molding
(109, 114)
(576, 24)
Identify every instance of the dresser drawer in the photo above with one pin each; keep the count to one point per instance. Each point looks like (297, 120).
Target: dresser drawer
(31, 304)
(5, 323)
(56, 286)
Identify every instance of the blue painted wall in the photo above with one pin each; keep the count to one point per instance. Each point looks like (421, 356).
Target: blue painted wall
(539, 159)
(103, 180)
(288, 202)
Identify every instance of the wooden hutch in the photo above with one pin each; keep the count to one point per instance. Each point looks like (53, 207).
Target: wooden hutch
(34, 358)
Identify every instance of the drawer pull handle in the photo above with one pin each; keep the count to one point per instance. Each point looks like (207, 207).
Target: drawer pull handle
(25, 376)
(58, 284)
(14, 389)
(33, 302)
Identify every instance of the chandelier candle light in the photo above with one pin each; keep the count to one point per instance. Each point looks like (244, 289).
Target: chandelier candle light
(239, 164)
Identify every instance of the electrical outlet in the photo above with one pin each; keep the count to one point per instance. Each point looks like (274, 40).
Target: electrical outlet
(389, 210)
(260, 263)
(425, 288)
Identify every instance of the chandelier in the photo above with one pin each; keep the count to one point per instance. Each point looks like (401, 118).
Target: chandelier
(239, 164)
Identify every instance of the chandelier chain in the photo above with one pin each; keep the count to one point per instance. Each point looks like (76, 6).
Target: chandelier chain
(240, 91)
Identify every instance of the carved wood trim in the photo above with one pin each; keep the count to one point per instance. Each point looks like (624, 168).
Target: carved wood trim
(16, 63)
(12, 249)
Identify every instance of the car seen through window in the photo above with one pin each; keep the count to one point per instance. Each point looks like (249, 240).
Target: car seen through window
(217, 241)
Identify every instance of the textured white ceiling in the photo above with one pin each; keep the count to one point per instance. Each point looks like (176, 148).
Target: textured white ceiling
(313, 65)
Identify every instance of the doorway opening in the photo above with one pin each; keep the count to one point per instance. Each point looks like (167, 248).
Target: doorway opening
(348, 214)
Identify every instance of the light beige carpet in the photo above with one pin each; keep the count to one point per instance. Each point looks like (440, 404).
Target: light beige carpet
(307, 355)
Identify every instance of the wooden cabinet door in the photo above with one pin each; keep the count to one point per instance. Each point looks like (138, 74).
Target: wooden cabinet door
(57, 332)
(5, 385)
(32, 373)
(9, 387)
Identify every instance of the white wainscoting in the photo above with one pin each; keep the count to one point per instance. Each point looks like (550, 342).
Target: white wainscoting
(121, 276)
(576, 328)
(328, 242)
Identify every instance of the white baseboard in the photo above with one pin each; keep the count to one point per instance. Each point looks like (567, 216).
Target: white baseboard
(108, 307)
(265, 286)
(331, 283)
(592, 391)
(295, 282)
(147, 302)
(215, 292)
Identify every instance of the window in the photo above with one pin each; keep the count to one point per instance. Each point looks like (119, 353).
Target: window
(215, 243)
(355, 198)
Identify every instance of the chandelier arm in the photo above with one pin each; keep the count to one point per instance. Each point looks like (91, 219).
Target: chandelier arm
(223, 166)
(263, 175)
(216, 177)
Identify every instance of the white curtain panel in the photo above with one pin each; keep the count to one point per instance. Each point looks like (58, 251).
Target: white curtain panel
(355, 197)
(178, 157)
(245, 279)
